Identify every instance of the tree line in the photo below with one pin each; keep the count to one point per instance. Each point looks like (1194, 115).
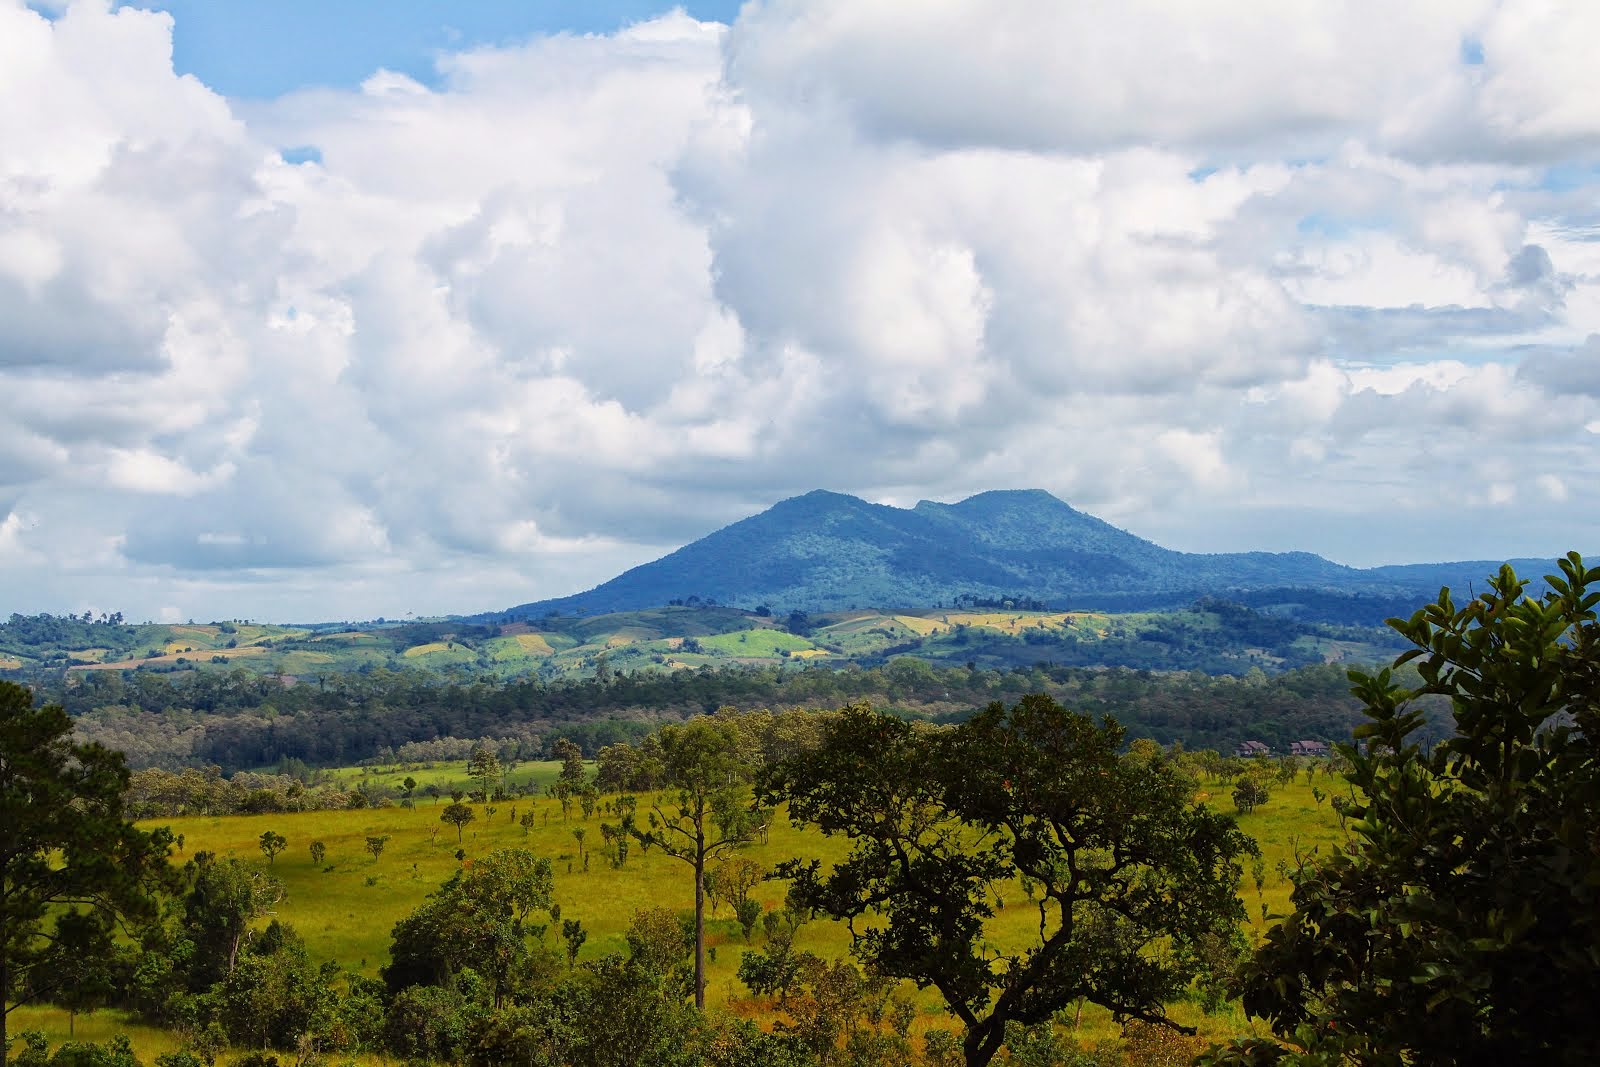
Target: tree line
(236, 720)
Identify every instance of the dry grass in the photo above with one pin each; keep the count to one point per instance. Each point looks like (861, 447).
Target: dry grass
(535, 644)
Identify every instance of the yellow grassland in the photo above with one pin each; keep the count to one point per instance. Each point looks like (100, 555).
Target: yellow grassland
(171, 658)
(344, 918)
(1014, 622)
(535, 644)
(920, 626)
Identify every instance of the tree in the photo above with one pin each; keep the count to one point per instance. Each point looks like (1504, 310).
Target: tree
(272, 844)
(1249, 794)
(712, 814)
(458, 815)
(571, 757)
(375, 845)
(225, 898)
(318, 851)
(573, 933)
(1129, 871)
(657, 940)
(83, 972)
(64, 842)
(1460, 920)
(736, 877)
(484, 765)
(475, 920)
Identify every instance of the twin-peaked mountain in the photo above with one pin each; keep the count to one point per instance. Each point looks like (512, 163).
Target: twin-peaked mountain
(827, 551)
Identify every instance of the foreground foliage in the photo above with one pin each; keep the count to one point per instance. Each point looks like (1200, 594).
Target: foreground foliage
(1461, 923)
(69, 861)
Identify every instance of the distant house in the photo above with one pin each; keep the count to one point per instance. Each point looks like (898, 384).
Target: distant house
(1307, 748)
(1254, 748)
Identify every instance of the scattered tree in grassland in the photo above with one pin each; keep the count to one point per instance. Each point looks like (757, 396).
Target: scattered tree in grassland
(272, 843)
(484, 766)
(711, 814)
(458, 815)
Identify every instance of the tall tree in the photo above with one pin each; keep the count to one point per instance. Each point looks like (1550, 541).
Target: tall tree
(1129, 871)
(571, 757)
(272, 843)
(457, 815)
(225, 898)
(484, 765)
(712, 814)
(64, 840)
(1460, 920)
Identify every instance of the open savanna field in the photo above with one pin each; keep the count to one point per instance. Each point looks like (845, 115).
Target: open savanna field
(346, 908)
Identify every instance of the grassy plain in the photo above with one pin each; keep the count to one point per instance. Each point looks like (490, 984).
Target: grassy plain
(347, 907)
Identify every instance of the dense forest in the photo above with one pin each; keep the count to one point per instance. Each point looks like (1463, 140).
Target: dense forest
(237, 720)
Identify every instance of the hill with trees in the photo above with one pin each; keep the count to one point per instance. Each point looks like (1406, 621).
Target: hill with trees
(828, 551)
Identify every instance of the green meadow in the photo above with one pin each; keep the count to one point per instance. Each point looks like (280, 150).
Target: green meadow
(448, 775)
(346, 908)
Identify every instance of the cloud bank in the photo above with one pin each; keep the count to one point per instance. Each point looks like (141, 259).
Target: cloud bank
(1319, 277)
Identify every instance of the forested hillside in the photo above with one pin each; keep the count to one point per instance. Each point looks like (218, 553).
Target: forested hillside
(830, 552)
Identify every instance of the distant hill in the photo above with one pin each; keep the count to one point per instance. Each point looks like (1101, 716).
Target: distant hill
(828, 551)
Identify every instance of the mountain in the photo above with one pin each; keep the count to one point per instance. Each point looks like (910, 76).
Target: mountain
(828, 551)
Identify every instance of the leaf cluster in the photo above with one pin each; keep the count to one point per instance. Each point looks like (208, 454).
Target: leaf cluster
(1461, 921)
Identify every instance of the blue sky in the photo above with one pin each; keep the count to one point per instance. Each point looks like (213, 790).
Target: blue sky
(265, 48)
(288, 337)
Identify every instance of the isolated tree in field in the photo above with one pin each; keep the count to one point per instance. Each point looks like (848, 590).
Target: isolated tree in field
(318, 851)
(457, 815)
(64, 843)
(656, 940)
(563, 792)
(571, 757)
(1129, 872)
(1459, 922)
(1249, 794)
(375, 845)
(272, 844)
(484, 766)
(712, 813)
(588, 799)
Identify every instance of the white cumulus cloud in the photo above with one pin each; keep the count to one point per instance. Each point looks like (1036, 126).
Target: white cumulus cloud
(1233, 276)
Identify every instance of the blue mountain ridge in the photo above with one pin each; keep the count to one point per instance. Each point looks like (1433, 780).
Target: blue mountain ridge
(827, 551)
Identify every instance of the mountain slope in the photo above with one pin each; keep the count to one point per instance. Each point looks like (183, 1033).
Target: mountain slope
(829, 551)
